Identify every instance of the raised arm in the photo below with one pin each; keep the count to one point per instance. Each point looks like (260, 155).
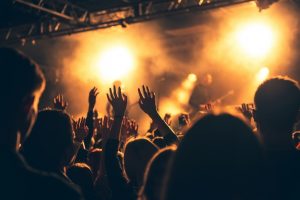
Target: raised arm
(148, 105)
(118, 100)
(81, 132)
(89, 119)
(116, 179)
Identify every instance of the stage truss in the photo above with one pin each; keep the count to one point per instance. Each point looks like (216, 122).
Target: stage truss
(61, 17)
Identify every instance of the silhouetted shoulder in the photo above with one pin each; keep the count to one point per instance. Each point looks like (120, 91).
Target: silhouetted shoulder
(53, 187)
(19, 181)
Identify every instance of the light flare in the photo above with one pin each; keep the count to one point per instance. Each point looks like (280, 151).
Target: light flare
(115, 63)
(263, 74)
(256, 39)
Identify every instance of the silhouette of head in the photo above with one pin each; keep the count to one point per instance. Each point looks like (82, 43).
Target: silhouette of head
(219, 158)
(277, 103)
(137, 154)
(21, 85)
(156, 170)
(50, 144)
(81, 174)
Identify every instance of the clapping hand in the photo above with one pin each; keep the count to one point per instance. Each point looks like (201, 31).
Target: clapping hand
(60, 103)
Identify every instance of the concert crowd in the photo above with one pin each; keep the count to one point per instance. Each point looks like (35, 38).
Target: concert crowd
(46, 154)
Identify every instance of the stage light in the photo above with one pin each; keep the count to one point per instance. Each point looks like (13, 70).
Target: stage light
(262, 74)
(255, 39)
(115, 63)
(192, 77)
(182, 96)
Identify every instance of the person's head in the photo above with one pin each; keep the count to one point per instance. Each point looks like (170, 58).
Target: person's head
(155, 173)
(22, 84)
(81, 174)
(207, 80)
(219, 157)
(94, 158)
(277, 103)
(137, 154)
(50, 144)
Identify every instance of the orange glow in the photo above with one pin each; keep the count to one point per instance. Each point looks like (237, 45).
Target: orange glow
(262, 74)
(192, 77)
(255, 39)
(115, 63)
(169, 106)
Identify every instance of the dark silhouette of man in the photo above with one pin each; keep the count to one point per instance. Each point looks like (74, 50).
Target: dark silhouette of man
(21, 84)
(277, 103)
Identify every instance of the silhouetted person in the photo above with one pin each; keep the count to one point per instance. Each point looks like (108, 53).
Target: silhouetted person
(277, 103)
(201, 94)
(155, 174)
(50, 145)
(21, 84)
(137, 154)
(219, 158)
(81, 174)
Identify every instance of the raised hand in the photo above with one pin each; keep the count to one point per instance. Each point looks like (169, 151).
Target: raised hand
(147, 101)
(133, 128)
(103, 129)
(92, 98)
(118, 100)
(129, 128)
(80, 129)
(59, 102)
(167, 119)
(148, 105)
(184, 119)
(209, 107)
(246, 110)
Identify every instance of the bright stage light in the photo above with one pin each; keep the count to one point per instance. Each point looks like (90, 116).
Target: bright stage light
(256, 39)
(262, 74)
(192, 77)
(115, 63)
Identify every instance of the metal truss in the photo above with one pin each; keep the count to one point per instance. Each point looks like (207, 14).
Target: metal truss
(60, 17)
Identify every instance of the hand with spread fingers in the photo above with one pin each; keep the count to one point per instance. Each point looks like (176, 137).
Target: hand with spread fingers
(92, 98)
(148, 105)
(80, 129)
(118, 100)
(103, 128)
(147, 101)
(60, 103)
(133, 128)
(246, 110)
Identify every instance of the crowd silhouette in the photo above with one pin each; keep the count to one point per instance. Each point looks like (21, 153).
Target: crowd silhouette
(47, 154)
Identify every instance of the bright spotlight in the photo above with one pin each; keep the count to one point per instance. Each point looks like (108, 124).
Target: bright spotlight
(115, 63)
(263, 74)
(255, 39)
(192, 77)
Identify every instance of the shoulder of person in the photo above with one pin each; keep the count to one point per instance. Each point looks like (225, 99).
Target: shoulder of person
(51, 186)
